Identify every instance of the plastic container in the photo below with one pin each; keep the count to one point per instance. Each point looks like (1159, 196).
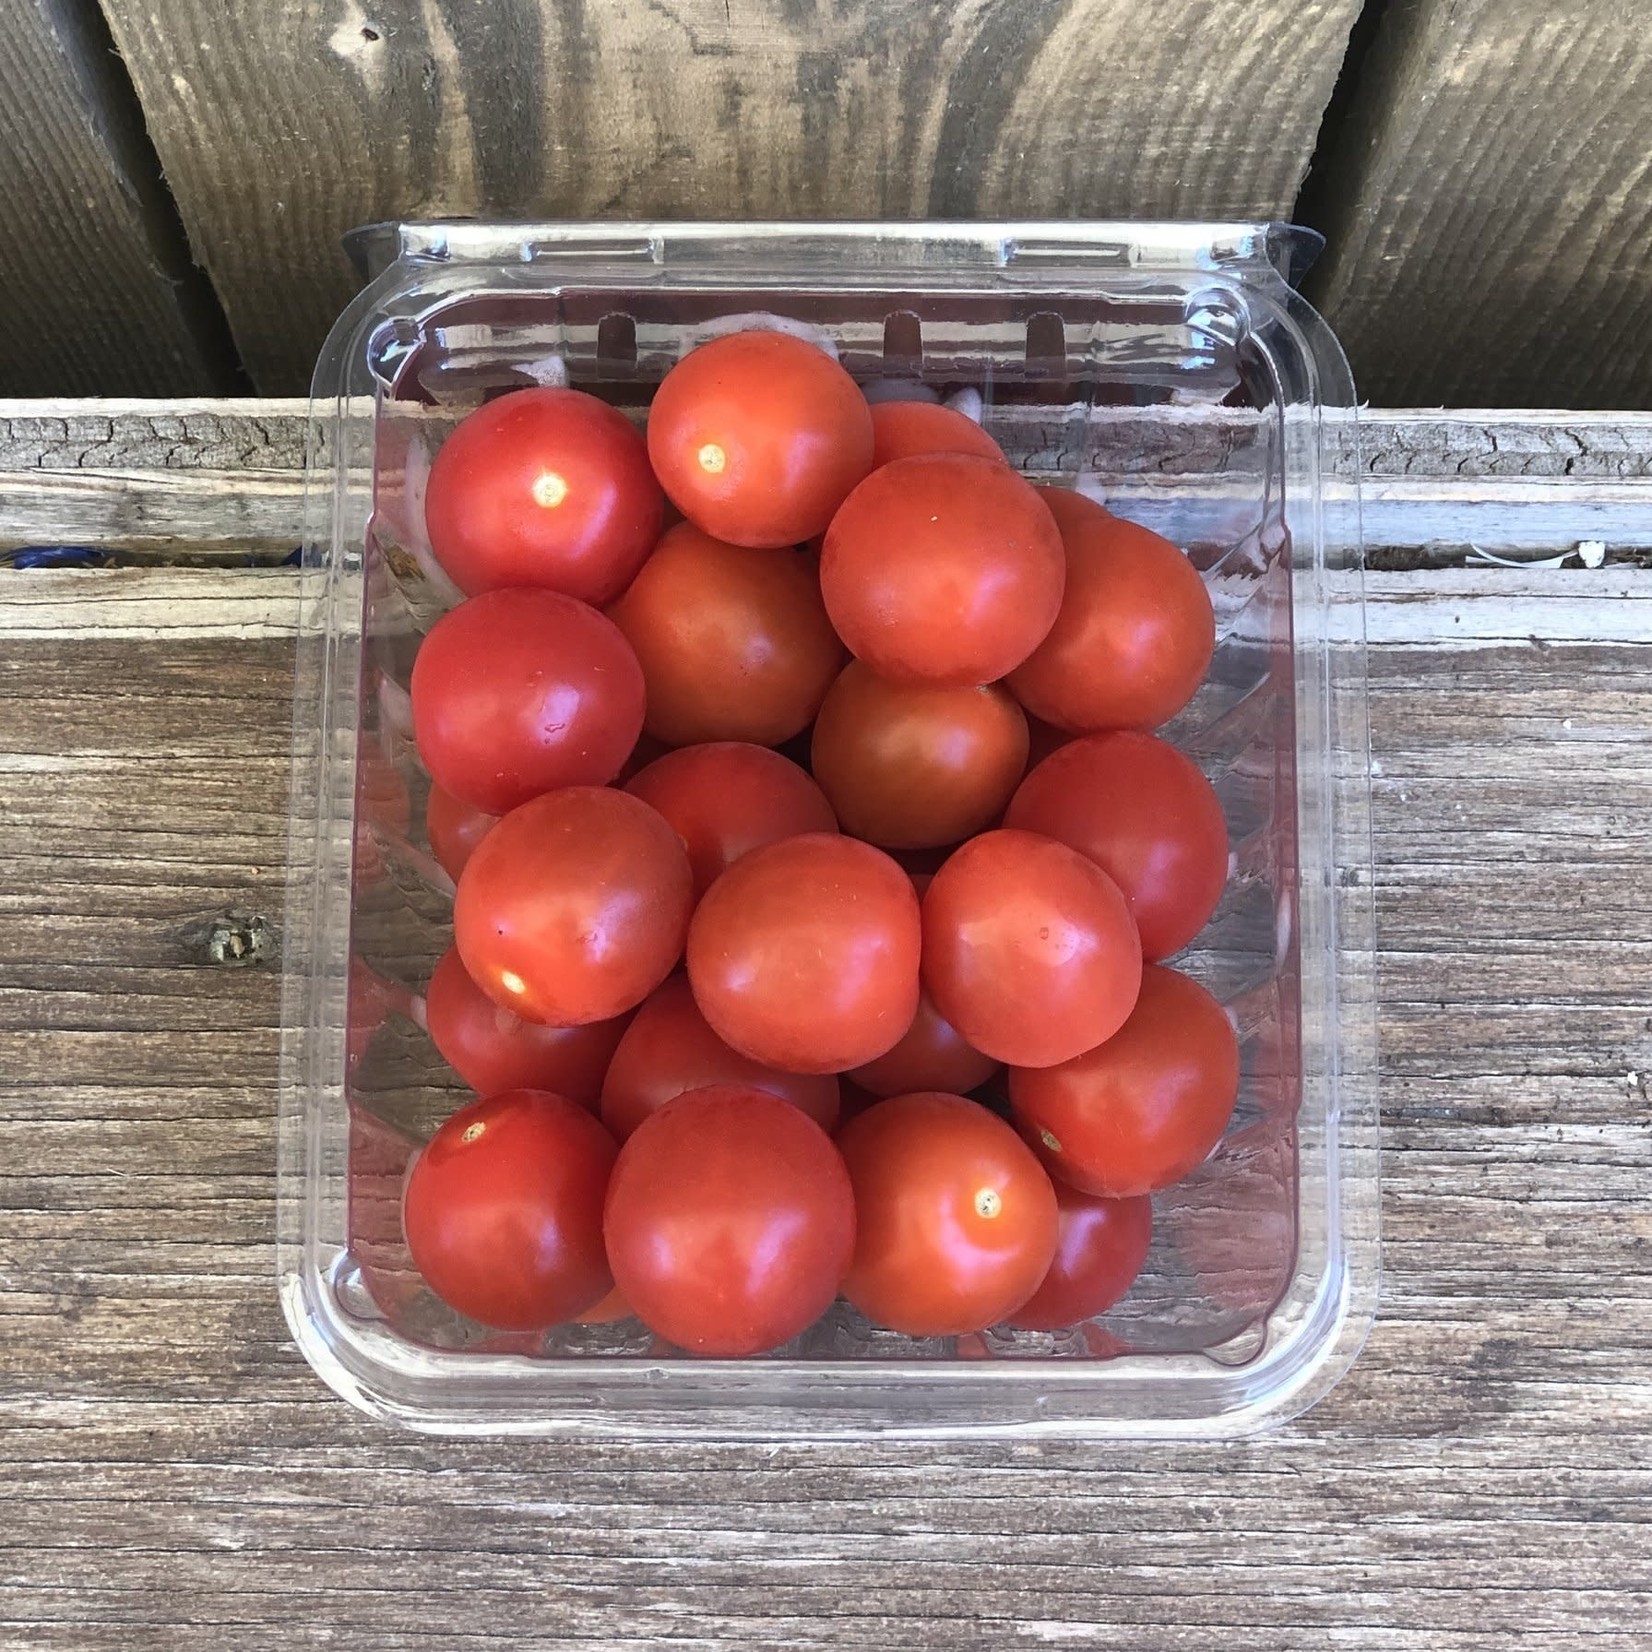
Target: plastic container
(1169, 368)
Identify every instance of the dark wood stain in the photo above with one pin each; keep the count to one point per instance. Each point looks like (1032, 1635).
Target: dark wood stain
(701, 108)
(1489, 209)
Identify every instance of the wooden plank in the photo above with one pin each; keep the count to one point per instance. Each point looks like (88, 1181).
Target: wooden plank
(176, 1476)
(702, 109)
(1489, 207)
(220, 480)
(100, 296)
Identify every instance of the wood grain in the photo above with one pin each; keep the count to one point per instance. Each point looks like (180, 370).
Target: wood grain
(285, 124)
(1489, 207)
(177, 1478)
(92, 262)
(220, 480)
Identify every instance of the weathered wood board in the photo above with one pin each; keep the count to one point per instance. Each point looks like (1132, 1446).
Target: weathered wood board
(1490, 206)
(176, 1477)
(284, 124)
(93, 267)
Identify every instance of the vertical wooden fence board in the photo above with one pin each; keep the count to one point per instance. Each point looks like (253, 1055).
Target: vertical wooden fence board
(89, 255)
(1491, 215)
(283, 124)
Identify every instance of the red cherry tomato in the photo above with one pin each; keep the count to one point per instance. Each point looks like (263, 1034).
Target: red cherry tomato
(1140, 1111)
(804, 954)
(902, 429)
(728, 798)
(730, 1221)
(493, 1050)
(1029, 949)
(543, 487)
(1100, 1247)
(668, 1050)
(916, 765)
(518, 692)
(1147, 817)
(956, 1220)
(943, 568)
(930, 1056)
(503, 1210)
(758, 436)
(454, 829)
(734, 643)
(1135, 633)
(574, 907)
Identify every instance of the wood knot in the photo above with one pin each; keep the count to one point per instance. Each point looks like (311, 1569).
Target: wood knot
(237, 940)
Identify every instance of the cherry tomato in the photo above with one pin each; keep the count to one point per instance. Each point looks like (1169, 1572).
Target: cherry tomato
(543, 487)
(668, 1050)
(1147, 817)
(454, 829)
(930, 1056)
(955, 1218)
(916, 765)
(943, 568)
(729, 1221)
(574, 907)
(1140, 1111)
(758, 437)
(734, 643)
(1100, 1247)
(1029, 949)
(902, 429)
(1135, 633)
(728, 798)
(492, 1049)
(804, 954)
(518, 692)
(503, 1210)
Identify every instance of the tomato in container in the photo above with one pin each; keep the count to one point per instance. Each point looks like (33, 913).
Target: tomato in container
(811, 801)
